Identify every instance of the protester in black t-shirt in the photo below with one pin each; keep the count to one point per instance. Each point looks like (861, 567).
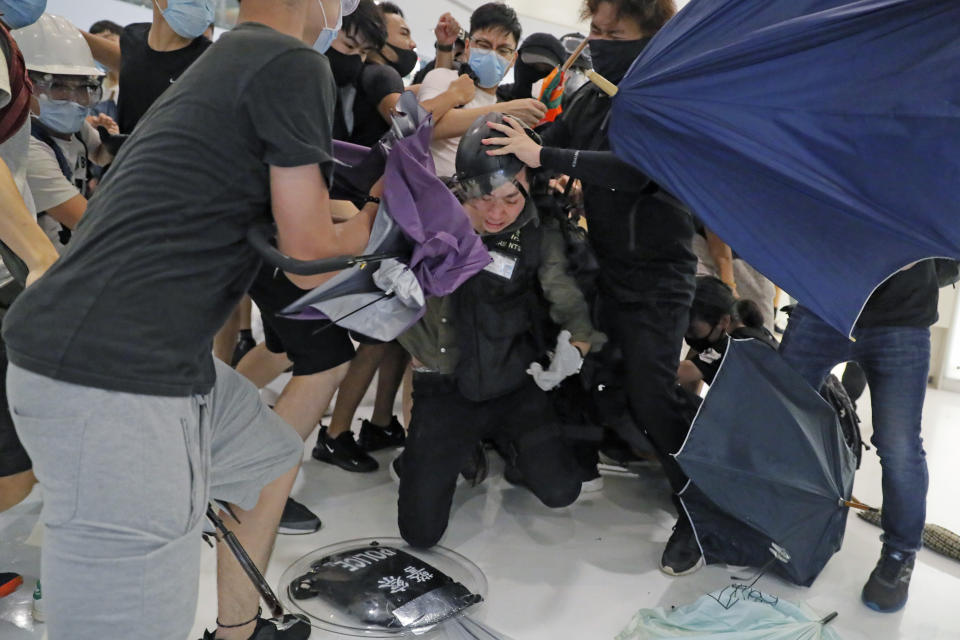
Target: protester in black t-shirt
(381, 80)
(147, 428)
(149, 57)
(363, 32)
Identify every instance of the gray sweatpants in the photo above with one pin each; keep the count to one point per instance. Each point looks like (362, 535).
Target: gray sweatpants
(126, 479)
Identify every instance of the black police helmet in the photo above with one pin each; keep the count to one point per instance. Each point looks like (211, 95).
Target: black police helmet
(478, 174)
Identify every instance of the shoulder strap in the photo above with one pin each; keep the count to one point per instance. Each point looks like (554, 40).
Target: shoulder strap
(41, 134)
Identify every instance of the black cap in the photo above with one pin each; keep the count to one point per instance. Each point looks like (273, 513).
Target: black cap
(542, 48)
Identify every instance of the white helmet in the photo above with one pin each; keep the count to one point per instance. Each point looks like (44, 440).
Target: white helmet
(53, 45)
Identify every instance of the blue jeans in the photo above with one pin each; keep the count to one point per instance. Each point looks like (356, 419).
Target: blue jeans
(896, 361)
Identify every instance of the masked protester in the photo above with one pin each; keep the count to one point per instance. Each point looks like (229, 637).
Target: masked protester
(642, 238)
(715, 317)
(363, 32)
(473, 349)
(539, 54)
(67, 85)
(152, 56)
(491, 50)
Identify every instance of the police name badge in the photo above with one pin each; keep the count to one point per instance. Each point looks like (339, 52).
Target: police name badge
(502, 265)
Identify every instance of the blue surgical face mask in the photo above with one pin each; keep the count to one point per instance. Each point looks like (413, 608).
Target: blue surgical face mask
(188, 18)
(22, 13)
(62, 116)
(328, 35)
(489, 67)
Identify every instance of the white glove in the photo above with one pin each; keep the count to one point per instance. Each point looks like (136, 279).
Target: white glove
(565, 361)
(396, 278)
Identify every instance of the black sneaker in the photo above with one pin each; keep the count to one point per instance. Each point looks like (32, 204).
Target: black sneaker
(298, 520)
(374, 437)
(244, 344)
(886, 589)
(682, 554)
(344, 452)
(266, 630)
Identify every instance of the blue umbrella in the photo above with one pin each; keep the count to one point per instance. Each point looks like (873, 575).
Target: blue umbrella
(832, 124)
(770, 474)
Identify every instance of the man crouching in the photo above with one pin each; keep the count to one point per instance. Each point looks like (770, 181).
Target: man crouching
(472, 351)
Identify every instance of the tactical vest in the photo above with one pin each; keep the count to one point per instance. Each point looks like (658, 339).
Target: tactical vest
(496, 314)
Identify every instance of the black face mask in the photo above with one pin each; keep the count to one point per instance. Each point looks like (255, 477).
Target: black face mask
(406, 60)
(705, 343)
(612, 58)
(346, 69)
(524, 75)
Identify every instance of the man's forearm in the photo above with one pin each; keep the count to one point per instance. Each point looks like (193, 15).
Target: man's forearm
(19, 229)
(439, 106)
(350, 238)
(444, 60)
(456, 121)
(106, 52)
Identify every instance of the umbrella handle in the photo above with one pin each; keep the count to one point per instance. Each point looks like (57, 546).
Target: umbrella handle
(576, 54)
(260, 238)
(605, 85)
(853, 503)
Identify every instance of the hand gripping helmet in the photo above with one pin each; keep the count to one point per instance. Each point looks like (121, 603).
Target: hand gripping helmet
(478, 174)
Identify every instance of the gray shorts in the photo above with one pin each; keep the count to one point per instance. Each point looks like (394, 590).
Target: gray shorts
(126, 479)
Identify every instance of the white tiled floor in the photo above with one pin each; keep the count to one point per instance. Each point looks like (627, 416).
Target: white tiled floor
(581, 572)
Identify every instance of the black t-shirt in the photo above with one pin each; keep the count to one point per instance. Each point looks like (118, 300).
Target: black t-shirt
(376, 82)
(709, 361)
(160, 258)
(146, 73)
(907, 299)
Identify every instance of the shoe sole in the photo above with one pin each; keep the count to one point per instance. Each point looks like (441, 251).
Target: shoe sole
(670, 572)
(875, 607)
(342, 465)
(289, 531)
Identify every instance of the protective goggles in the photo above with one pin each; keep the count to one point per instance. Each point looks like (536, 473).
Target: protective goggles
(84, 90)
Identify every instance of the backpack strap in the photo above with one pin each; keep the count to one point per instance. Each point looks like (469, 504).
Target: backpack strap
(38, 131)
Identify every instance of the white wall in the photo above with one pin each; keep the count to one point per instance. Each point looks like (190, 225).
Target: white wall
(84, 13)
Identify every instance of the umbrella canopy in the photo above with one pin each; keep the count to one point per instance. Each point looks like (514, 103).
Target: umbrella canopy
(768, 467)
(419, 220)
(833, 124)
(734, 613)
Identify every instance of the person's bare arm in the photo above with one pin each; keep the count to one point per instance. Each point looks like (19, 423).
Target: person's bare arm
(106, 52)
(386, 105)
(305, 227)
(446, 31)
(460, 92)
(722, 257)
(69, 213)
(456, 121)
(19, 229)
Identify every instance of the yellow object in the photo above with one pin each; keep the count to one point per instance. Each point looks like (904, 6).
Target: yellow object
(605, 85)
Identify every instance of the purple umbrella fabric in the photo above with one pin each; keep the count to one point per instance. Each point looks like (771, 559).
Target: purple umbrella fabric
(447, 251)
(419, 219)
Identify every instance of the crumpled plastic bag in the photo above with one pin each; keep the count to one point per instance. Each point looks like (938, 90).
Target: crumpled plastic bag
(737, 612)
(565, 362)
(397, 279)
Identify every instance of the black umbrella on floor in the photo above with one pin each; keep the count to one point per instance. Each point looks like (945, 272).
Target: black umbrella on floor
(770, 474)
